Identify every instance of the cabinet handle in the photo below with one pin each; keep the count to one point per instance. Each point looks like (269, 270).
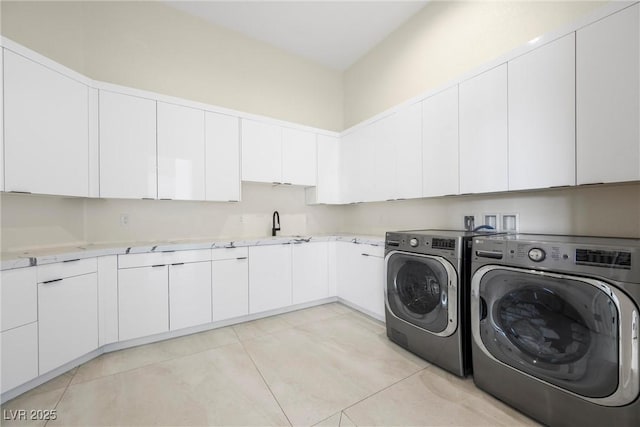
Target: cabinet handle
(158, 265)
(276, 183)
(242, 257)
(366, 255)
(166, 199)
(72, 260)
(148, 198)
(233, 201)
(166, 252)
(287, 183)
(51, 281)
(178, 263)
(20, 192)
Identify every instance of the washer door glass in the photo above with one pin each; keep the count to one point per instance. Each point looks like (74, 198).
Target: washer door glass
(417, 291)
(563, 331)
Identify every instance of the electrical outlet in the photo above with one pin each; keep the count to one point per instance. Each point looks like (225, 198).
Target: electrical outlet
(469, 222)
(124, 219)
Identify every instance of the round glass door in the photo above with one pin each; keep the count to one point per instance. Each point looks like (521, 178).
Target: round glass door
(563, 331)
(418, 290)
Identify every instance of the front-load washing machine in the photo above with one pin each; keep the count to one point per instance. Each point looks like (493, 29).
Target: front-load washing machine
(554, 321)
(426, 298)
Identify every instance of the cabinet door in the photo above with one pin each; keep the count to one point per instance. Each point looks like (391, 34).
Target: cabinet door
(46, 129)
(372, 280)
(269, 277)
(349, 167)
(143, 301)
(542, 117)
(19, 349)
(328, 185)
(440, 172)
(127, 146)
(608, 98)
(483, 132)
(107, 299)
(310, 272)
(230, 282)
(406, 146)
(180, 152)
(18, 297)
(189, 294)
(222, 149)
(1, 120)
(299, 158)
(67, 320)
(360, 278)
(261, 152)
(381, 171)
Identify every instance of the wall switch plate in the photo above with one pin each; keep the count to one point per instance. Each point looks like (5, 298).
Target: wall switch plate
(124, 219)
(510, 222)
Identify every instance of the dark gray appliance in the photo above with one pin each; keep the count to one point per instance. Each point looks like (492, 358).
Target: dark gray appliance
(554, 321)
(427, 294)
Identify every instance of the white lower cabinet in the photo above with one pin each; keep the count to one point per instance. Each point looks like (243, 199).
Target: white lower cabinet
(310, 273)
(19, 326)
(360, 274)
(67, 319)
(189, 294)
(230, 283)
(19, 355)
(269, 277)
(107, 299)
(143, 301)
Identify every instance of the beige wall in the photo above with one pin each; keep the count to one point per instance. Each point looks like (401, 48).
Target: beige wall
(150, 46)
(441, 42)
(604, 210)
(31, 221)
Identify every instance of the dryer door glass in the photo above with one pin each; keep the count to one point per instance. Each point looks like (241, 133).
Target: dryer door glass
(417, 291)
(563, 331)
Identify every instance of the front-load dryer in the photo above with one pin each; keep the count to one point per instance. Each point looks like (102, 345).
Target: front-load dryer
(426, 295)
(554, 321)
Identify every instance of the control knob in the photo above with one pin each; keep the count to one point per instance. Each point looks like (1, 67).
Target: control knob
(413, 242)
(536, 254)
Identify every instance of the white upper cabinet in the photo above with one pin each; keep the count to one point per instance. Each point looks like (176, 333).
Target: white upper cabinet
(608, 99)
(542, 116)
(261, 152)
(328, 186)
(46, 129)
(222, 150)
(299, 158)
(483, 132)
(406, 145)
(181, 152)
(271, 153)
(127, 146)
(380, 172)
(440, 174)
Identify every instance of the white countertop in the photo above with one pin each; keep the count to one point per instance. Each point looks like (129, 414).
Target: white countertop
(10, 260)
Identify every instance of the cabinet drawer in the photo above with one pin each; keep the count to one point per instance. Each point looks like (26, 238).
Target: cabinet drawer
(19, 296)
(162, 258)
(371, 250)
(229, 253)
(60, 270)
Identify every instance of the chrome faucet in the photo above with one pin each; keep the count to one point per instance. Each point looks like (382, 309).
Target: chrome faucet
(276, 219)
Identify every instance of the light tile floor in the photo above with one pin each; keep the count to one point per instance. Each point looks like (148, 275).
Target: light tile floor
(325, 366)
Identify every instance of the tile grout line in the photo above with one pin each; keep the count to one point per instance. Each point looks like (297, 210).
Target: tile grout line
(55, 408)
(266, 384)
(383, 389)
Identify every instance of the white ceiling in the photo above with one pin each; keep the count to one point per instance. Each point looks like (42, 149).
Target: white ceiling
(333, 33)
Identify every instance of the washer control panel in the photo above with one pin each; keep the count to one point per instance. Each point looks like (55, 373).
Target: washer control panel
(537, 254)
